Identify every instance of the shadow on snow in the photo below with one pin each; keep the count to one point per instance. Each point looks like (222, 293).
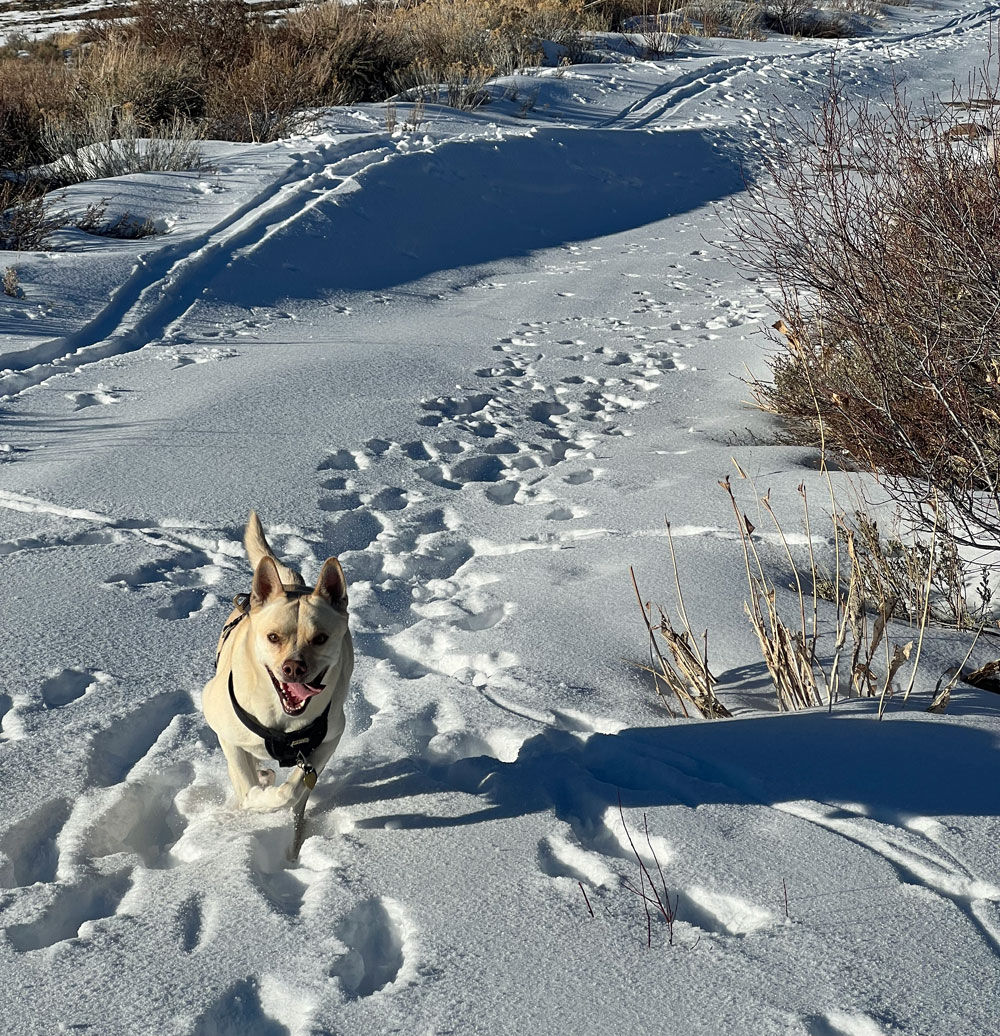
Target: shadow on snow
(897, 767)
(471, 202)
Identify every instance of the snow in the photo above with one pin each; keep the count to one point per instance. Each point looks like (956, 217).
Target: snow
(482, 360)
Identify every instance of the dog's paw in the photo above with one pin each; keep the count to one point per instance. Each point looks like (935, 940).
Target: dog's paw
(264, 797)
(265, 778)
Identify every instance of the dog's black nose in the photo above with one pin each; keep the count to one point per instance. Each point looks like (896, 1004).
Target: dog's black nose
(293, 669)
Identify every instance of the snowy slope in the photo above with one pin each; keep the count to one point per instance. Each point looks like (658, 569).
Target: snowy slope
(481, 360)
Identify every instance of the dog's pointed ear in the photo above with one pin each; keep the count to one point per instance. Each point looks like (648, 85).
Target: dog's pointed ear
(331, 585)
(266, 581)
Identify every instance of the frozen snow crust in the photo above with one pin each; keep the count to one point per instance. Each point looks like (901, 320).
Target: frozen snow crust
(481, 360)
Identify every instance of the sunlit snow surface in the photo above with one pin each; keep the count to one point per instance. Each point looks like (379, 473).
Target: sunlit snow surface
(481, 359)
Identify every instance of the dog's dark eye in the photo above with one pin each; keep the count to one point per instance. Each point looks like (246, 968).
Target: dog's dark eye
(320, 638)
(273, 638)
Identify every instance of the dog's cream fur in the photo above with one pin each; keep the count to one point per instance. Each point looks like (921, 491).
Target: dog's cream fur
(304, 639)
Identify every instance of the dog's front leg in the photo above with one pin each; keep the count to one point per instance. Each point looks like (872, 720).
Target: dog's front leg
(243, 773)
(293, 791)
(252, 785)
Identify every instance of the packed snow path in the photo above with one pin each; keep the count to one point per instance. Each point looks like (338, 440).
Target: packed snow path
(481, 360)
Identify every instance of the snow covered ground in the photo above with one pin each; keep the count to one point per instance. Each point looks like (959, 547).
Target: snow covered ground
(481, 360)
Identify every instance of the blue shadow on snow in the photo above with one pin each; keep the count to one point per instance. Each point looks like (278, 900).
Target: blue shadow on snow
(466, 203)
(928, 767)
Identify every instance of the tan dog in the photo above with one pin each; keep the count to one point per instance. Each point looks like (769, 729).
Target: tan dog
(284, 664)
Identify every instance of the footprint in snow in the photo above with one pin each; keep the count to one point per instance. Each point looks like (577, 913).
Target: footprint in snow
(115, 751)
(240, 1012)
(69, 684)
(30, 853)
(842, 1023)
(724, 914)
(373, 933)
(142, 818)
(101, 396)
(190, 924)
(72, 912)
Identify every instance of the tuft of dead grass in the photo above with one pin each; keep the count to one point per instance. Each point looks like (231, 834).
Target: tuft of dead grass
(682, 675)
(860, 649)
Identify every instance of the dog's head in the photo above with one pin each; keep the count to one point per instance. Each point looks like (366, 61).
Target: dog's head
(299, 638)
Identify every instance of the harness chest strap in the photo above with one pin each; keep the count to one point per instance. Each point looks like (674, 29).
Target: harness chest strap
(285, 747)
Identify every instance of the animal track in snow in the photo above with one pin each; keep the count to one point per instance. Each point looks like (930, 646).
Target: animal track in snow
(455, 476)
(69, 684)
(355, 530)
(116, 750)
(142, 819)
(185, 603)
(240, 1012)
(560, 858)
(373, 933)
(917, 857)
(92, 899)
(101, 396)
(345, 460)
(842, 1023)
(190, 921)
(724, 914)
(29, 846)
(194, 565)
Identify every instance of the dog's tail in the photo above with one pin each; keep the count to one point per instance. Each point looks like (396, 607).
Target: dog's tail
(258, 548)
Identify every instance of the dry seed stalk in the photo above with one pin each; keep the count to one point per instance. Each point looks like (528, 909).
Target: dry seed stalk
(685, 675)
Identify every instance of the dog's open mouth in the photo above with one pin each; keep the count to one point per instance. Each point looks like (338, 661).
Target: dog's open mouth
(294, 697)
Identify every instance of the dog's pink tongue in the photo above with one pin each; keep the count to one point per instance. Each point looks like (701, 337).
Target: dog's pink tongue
(300, 691)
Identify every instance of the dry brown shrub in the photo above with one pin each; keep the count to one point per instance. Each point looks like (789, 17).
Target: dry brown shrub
(25, 222)
(159, 86)
(804, 18)
(263, 98)
(216, 33)
(354, 53)
(460, 44)
(880, 227)
(725, 18)
(28, 90)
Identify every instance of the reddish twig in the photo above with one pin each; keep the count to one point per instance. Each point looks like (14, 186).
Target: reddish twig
(667, 911)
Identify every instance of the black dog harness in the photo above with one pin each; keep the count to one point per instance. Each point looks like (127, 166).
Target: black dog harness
(285, 747)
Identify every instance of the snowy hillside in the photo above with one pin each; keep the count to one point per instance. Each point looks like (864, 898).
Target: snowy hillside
(481, 359)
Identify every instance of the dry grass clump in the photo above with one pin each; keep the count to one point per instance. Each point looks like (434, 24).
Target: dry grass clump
(912, 576)
(880, 226)
(681, 676)
(28, 92)
(157, 87)
(11, 283)
(355, 53)
(790, 645)
(727, 18)
(659, 25)
(814, 655)
(802, 18)
(461, 44)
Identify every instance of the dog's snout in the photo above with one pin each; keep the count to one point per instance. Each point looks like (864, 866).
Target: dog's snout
(293, 669)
